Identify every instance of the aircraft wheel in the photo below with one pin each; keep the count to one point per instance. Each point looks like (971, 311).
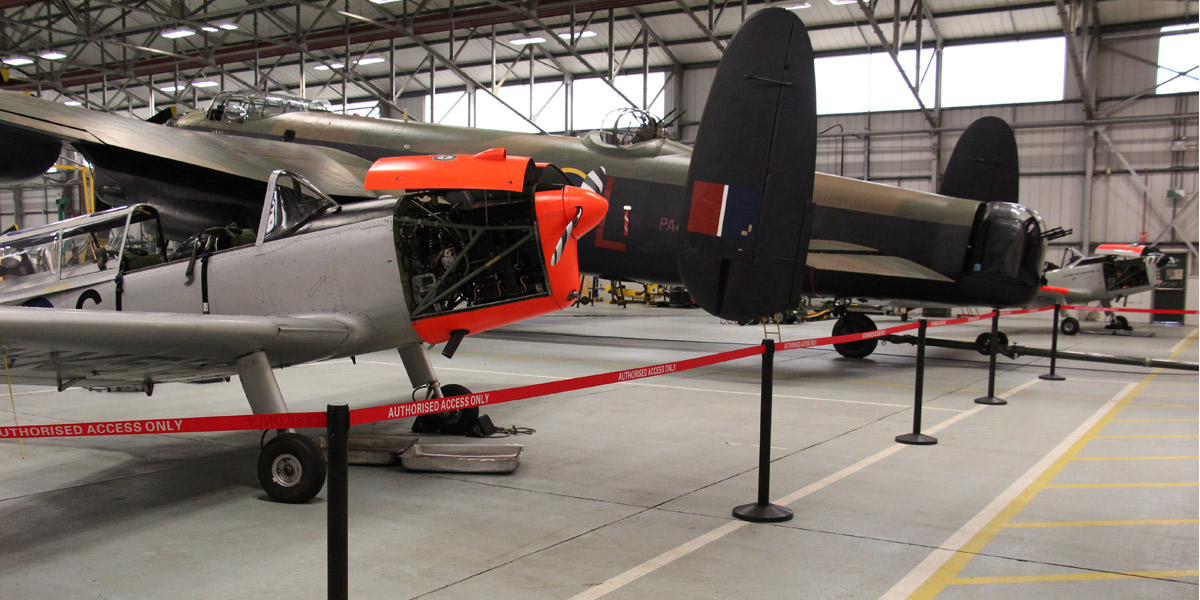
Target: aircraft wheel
(1121, 323)
(455, 422)
(291, 468)
(855, 323)
(984, 341)
(1069, 326)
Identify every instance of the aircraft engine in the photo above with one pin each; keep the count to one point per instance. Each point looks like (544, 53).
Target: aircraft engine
(24, 156)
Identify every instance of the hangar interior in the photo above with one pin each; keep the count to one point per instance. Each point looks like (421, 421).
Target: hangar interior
(1084, 488)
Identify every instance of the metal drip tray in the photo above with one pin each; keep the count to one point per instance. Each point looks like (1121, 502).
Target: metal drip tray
(462, 458)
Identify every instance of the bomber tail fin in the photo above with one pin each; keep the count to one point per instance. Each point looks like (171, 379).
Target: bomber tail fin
(984, 164)
(748, 201)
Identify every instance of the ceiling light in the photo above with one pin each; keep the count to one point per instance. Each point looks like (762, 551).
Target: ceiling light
(587, 33)
(54, 55)
(172, 88)
(528, 40)
(73, 103)
(209, 29)
(178, 33)
(203, 84)
(381, 1)
(18, 61)
(370, 61)
(841, 2)
(800, 6)
(321, 68)
(227, 26)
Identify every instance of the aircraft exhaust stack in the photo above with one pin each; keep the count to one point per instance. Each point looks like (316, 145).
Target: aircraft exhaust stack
(984, 164)
(748, 200)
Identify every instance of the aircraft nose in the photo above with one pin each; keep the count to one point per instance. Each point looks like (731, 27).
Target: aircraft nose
(594, 206)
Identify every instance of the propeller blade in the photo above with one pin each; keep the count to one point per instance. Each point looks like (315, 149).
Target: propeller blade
(562, 241)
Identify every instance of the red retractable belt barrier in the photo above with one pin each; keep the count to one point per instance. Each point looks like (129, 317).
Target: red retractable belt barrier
(402, 410)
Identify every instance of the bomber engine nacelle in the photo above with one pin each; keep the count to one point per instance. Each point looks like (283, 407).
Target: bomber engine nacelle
(26, 155)
(484, 240)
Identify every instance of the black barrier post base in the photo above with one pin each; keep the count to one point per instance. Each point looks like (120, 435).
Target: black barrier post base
(763, 511)
(916, 438)
(993, 350)
(1052, 376)
(338, 426)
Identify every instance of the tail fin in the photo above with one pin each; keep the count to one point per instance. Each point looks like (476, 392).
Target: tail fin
(162, 116)
(984, 165)
(748, 200)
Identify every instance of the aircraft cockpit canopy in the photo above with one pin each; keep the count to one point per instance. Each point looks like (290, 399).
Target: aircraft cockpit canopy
(125, 238)
(238, 107)
(291, 203)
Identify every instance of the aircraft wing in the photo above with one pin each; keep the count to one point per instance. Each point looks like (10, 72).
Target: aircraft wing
(104, 348)
(108, 138)
(829, 255)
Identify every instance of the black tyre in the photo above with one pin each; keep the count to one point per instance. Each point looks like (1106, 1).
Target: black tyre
(291, 468)
(1069, 326)
(984, 340)
(1120, 322)
(455, 422)
(855, 323)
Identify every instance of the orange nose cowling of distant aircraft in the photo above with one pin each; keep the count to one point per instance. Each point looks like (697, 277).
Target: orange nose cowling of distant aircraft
(554, 209)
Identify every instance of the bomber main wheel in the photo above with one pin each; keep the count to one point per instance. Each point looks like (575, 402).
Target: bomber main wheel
(855, 323)
(1069, 326)
(983, 343)
(455, 422)
(291, 468)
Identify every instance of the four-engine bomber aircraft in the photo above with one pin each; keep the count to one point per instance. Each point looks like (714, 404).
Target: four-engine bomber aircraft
(476, 242)
(970, 244)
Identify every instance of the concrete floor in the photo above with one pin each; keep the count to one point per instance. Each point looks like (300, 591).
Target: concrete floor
(1084, 488)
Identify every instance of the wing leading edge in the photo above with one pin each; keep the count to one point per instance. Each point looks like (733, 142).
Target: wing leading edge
(101, 349)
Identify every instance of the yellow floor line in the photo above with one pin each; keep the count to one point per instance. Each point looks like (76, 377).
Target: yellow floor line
(1060, 486)
(1137, 457)
(1073, 577)
(1103, 523)
(942, 567)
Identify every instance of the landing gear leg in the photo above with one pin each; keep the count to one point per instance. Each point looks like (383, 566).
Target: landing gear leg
(291, 468)
(420, 374)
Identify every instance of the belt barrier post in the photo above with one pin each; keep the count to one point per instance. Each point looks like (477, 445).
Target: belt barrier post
(338, 430)
(763, 511)
(1052, 376)
(993, 350)
(916, 437)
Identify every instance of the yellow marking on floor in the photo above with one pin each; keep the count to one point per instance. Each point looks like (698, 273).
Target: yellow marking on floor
(1156, 420)
(1161, 406)
(1137, 457)
(1073, 577)
(1116, 485)
(1103, 523)
(1142, 437)
(944, 565)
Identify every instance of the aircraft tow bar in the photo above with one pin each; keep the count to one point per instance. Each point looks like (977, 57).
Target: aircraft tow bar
(1015, 351)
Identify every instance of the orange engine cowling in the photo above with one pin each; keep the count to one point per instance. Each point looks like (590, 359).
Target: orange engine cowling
(492, 240)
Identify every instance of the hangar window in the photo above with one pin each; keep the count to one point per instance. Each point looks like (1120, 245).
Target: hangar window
(1177, 51)
(593, 99)
(878, 85)
(1004, 72)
